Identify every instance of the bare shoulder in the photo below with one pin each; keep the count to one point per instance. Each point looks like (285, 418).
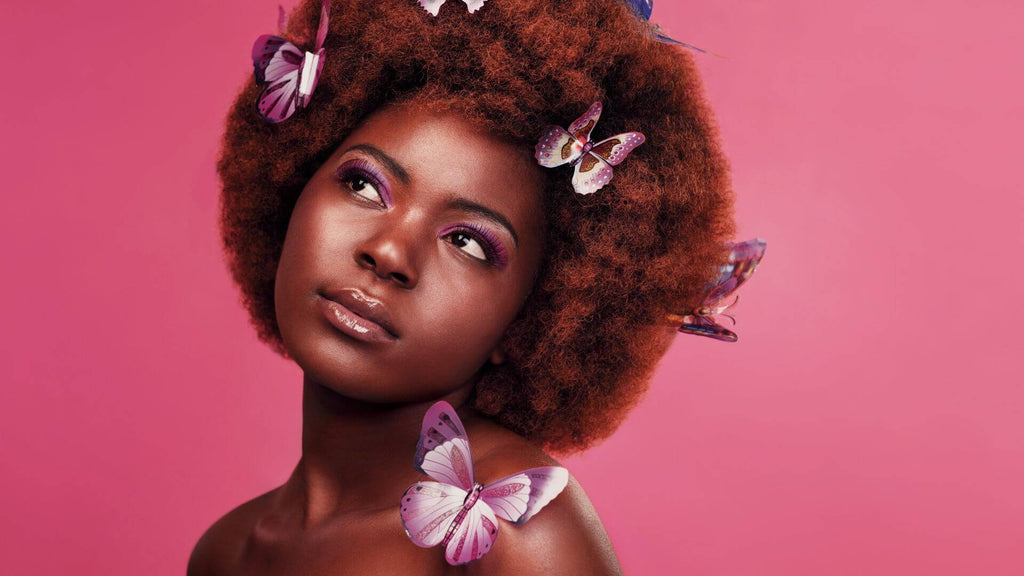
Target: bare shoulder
(219, 546)
(566, 537)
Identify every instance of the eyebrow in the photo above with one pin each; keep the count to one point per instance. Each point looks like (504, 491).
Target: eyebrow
(460, 203)
(454, 202)
(388, 162)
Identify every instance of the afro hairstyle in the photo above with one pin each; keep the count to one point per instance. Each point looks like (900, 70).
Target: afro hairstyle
(582, 351)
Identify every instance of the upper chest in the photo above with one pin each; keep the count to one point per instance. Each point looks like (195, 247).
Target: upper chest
(374, 544)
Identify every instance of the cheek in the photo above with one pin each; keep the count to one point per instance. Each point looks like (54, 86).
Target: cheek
(466, 316)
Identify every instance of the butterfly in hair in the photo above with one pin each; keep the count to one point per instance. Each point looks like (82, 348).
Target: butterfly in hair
(743, 260)
(592, 162)
(289, 75)
(458, 512)
(434, 6)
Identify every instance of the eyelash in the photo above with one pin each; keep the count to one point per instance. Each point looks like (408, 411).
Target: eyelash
(368, 172)
(493, 249)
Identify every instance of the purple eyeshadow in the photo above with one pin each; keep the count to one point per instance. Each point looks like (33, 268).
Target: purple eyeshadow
(360, 167)
(493, 247)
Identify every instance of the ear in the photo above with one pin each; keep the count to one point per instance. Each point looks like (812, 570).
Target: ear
(497, 356)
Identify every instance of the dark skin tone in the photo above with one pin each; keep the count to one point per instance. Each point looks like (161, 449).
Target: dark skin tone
(441, 222)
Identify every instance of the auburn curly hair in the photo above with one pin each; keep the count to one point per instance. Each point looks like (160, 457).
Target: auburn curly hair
(583, 348)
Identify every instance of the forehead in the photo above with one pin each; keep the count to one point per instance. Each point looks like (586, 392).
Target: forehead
(445, 154)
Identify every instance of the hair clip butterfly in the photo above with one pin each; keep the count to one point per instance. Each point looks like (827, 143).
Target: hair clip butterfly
(289, 74)
(457, 511)
(592, 162)
(643, 8)
(434, 6)
(743, 260)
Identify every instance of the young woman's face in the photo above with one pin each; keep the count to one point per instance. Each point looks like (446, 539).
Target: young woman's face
(408, 254)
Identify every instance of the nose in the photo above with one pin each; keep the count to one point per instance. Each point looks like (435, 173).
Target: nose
(390, 255)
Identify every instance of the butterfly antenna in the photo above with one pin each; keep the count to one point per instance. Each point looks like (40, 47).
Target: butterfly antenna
(668, 39)
(282, 20)
(733, 303)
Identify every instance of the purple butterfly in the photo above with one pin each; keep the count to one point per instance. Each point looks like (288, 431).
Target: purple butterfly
(592, 162)
(743, 260)
(434, 6)
(290, 75)
(458, 512)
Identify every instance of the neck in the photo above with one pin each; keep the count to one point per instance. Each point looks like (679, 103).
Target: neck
(356, 455)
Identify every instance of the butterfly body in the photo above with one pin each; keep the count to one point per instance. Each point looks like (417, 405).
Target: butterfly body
(743, 260)
(591, 162)
(456, 511)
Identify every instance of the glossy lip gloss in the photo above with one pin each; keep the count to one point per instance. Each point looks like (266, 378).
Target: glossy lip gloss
(352, 324)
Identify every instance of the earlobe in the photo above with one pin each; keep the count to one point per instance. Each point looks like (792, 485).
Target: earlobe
(497, 356)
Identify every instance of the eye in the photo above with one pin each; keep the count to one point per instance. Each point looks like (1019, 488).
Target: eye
(478, 242)
(468, 244)
(362, 186)
(364, 180)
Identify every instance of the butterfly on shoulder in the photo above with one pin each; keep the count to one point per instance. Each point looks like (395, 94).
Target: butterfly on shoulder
(289, 74)
(743, 260)
(434, 6)
(458, 512)
(592, 162)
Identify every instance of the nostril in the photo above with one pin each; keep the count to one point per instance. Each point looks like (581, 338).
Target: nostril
(367, 261)
(401, 278)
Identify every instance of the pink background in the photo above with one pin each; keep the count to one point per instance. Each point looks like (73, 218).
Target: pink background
(869, 421)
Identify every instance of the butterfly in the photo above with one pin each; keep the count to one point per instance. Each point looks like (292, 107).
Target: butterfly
(289, 74)
(456, 511)
(434, 6)
(743, 260)
(643, 8)
(592, 162)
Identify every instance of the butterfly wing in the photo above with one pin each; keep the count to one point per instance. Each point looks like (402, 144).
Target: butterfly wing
(432, 6)
(440, 423)
(591, 174)
(704, 326)
(269, 49)
(474, 536)
(450, 462)
(556, 147)
(278, 64)
(743, 260)
(584, 125)
(615, 149)
(443, 448)
(518, 497)
(474, 5)
(321, 32)
(428, 510)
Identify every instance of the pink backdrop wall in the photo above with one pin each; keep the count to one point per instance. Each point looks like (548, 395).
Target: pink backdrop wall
(869, 421)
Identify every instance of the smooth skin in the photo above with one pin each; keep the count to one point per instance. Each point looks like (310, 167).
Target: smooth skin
(440, 221)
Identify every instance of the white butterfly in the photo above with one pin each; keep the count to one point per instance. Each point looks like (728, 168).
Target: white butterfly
(592, 163)
(434, 6)
(458, 512)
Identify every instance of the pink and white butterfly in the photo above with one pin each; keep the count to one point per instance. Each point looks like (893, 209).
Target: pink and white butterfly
(592, 162)
(290, 75)
(743, 260)
(434, 6)
(458, 512)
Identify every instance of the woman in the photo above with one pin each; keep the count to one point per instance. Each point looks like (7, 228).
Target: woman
(398, 240)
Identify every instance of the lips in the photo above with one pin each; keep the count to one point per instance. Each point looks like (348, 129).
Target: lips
(366, 307)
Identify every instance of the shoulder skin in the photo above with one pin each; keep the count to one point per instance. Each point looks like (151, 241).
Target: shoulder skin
(565, 537)
(220, 544)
